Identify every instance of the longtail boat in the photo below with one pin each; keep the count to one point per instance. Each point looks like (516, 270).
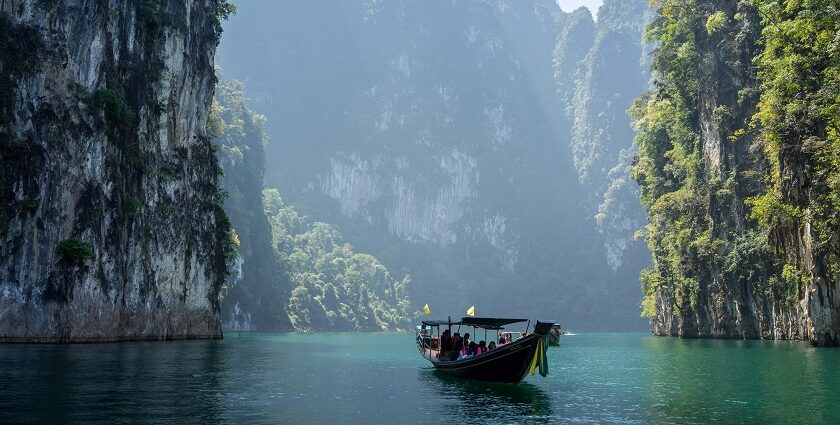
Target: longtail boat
(508, 363)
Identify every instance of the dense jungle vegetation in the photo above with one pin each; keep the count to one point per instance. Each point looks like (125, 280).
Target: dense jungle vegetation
(738, 168)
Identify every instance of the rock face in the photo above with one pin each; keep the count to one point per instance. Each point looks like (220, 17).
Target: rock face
(111, 225)
(741, 226)
(714, 280)
(798, 112)
(607, 77)
(436, 137)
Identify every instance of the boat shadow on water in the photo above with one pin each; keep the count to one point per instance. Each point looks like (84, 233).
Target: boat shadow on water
(489, 399)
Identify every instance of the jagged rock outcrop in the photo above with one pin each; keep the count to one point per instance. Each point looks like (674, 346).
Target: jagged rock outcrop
(608, 73)
(574, 41)
(111, 225)
(720, 289)
(798, 117)
(740, 227)
(434, 136)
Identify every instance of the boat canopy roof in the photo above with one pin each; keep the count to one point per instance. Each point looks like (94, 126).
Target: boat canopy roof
(439, 323)
(489, 322)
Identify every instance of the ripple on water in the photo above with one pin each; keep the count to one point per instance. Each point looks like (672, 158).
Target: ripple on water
(376, 378)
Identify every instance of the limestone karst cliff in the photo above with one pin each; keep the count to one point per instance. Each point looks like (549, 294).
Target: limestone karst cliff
(111, 225)
(436, 136)
(738, 168)
(717, 287)
(599, 81)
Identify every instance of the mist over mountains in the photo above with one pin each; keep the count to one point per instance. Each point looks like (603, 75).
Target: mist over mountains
(337, 167)
(481, 147)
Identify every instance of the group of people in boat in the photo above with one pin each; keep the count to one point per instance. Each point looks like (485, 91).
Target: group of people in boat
(456, 347)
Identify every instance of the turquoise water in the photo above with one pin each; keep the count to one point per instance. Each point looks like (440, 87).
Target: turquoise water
(380, 378)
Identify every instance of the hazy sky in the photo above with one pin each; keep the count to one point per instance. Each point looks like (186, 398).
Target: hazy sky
(570, 5)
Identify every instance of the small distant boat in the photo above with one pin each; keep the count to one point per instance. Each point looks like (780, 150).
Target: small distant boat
(508, 363)
(555, 334)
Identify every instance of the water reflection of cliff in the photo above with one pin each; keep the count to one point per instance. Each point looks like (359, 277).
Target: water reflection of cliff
(737, 381)
(488, 401)
(137, 382)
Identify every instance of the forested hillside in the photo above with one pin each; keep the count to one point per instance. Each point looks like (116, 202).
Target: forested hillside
(289, 272)
(334, 288)
(738, 168)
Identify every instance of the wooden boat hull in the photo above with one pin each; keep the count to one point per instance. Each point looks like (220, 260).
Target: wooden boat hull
(508, 363)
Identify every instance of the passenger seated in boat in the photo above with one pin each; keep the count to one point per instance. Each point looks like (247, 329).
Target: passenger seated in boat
(457, 345)
(482, 348)
(502, 340)
(468, 350)
(445, 345)
(492, 346)
(467, 340)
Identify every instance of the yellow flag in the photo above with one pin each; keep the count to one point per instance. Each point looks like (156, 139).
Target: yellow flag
(426, 309)
(471, 311)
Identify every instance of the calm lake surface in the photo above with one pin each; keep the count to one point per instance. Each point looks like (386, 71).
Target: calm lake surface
(380, 378)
